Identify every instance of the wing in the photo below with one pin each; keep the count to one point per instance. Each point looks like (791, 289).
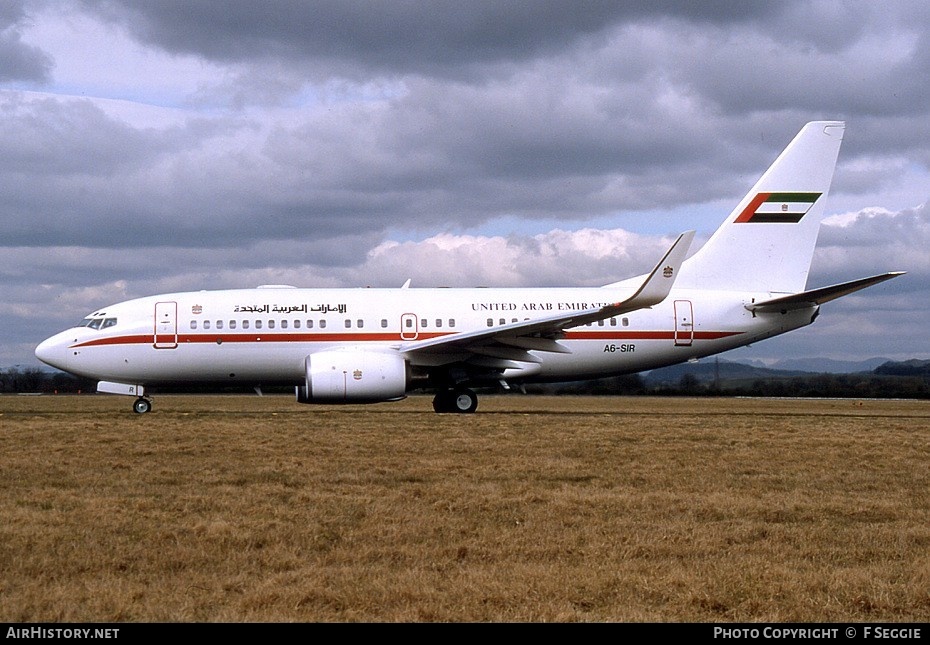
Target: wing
(515, 341)
(818, 296)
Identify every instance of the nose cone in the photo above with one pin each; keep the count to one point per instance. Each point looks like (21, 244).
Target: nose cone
(52, 351)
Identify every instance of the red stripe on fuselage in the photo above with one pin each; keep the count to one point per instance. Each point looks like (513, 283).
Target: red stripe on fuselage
(258, 338)
(184, 339)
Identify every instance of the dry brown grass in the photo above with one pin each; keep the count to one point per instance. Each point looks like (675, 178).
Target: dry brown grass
(534, 509)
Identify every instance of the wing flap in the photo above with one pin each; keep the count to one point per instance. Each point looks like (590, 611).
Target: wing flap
(539, 343)
(508, 353)
(489, 362)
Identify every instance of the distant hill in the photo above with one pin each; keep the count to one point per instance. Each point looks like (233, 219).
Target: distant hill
(828, 365)
(708, 371)
(907, 379)
(913, 367)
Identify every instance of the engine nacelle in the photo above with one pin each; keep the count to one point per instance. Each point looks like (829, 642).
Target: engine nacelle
(354, 375)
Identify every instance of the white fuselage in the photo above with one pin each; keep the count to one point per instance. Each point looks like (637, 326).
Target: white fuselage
(263, 336)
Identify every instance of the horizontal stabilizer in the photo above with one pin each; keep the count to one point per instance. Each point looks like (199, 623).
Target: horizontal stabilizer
(819, 296)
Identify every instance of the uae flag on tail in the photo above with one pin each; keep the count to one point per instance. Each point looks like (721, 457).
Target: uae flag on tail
(777, 208)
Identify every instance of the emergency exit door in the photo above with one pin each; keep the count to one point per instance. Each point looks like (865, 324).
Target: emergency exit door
(408, 327)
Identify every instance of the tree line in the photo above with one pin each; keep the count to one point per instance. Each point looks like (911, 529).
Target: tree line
(867, 386)
(883, 383)
(33, 379)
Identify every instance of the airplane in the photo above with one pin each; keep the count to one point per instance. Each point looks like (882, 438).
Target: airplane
(366, 345)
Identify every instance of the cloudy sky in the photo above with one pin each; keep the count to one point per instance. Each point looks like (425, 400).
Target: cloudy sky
(148, 147)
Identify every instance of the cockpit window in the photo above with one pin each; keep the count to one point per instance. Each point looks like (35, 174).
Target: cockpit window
(97, 323)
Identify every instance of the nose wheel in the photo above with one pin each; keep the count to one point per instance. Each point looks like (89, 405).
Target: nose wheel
(142, 406)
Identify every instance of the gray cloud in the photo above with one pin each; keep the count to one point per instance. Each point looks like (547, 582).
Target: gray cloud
(877, 240)
(354, 37)
(19, 61)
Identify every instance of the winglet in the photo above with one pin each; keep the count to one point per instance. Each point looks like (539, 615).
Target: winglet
(659, 283)
(654, 289)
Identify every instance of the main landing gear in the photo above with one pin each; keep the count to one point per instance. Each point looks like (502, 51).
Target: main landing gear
(460, 400)
(142, 405)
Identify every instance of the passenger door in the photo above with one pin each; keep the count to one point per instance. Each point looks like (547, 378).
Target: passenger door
(166, 325)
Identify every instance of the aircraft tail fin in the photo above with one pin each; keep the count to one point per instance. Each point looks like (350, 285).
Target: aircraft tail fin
(767, 242)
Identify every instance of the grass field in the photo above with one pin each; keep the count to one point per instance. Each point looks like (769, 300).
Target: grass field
(534, 509)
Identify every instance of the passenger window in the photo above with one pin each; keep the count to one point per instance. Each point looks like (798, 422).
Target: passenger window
(613, 322)
(219, 324)
(193, 324)
(322, 324)
(270, 324)
(384, 323)
(348, 324)
(490, 322)
(296, 324)
(626, 322)
(409, 323)
(503, 322)
(206, 324)
(258, 324)
(360, 323)
(423, 323)
(452, 322)
(600, 323)
(232, 324)
(309, 324)
(245, 324)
